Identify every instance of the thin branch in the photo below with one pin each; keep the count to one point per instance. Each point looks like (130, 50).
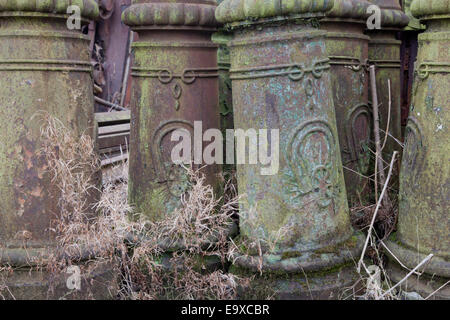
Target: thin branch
(367, 177)
(434, 292)
(394, 156)
(401, 144)
(109, 104)
(409, 274)
(397, 259)
(376, 122)
(376, 128)
(389, 116)
(127, 69)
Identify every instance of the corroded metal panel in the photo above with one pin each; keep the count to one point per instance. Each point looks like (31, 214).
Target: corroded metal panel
(424, 225)
(175, 82)
(280, 74)
(347, 48)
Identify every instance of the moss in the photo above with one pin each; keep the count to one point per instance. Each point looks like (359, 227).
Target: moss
(235, 11)
(28, 90)
(394, 238)
(88, 8)
(291, 254)
(271, 284)
(351, 243)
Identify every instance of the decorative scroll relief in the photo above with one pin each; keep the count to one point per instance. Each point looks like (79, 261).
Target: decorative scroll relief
(294, 71)
(352, 63)
(173, 176)
(311, 156)
(166, 76)
(425, 68)
(358, 124)
(413, 146)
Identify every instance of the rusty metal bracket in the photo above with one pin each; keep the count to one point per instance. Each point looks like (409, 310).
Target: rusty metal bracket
(106, 8)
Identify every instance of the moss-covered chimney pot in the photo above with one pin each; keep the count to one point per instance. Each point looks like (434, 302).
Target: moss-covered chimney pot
(429, 9)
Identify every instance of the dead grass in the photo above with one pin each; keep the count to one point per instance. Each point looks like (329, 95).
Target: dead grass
(167, 259)
(5, 293)
(157, 260)
(195, 232)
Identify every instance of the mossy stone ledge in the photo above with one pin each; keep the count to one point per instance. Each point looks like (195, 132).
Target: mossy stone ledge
(350, 9)
(251, 10)
(198, 13)
(430, 9)
(392, 15)
(88, 8)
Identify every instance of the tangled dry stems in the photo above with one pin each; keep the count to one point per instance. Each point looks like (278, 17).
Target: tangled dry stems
(197, 230)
